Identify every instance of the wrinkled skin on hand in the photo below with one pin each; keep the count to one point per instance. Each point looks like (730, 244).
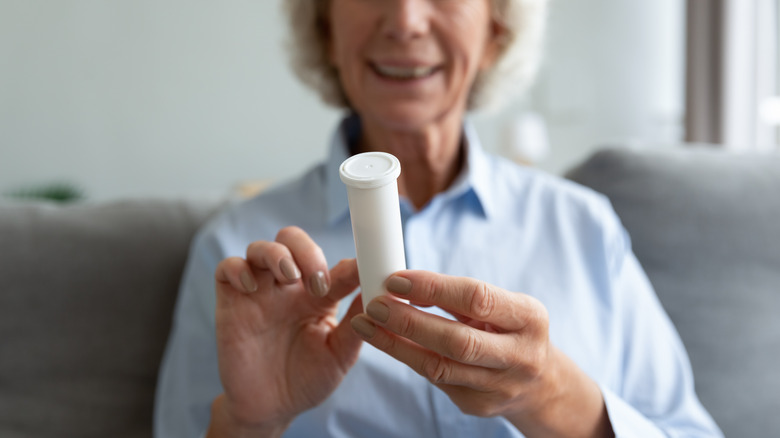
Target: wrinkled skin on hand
(280, 348)
(495, 359)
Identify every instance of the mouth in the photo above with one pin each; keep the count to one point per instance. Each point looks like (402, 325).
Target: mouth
(399, 73)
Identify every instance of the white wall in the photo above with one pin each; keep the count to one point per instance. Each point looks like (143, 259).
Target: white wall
(174, 97)
(160, 97)
(614, 74)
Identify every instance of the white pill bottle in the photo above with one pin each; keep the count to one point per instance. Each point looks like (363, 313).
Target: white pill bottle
(372, 188)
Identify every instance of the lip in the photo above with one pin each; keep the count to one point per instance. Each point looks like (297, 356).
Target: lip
(403, 64)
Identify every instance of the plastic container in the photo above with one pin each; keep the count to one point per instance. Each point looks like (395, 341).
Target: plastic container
(372, 188)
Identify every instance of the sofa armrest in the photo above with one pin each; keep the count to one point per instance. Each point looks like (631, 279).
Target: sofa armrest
(87, 296)
(705, 224)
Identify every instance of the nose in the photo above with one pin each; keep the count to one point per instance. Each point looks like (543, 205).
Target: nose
(407, 19)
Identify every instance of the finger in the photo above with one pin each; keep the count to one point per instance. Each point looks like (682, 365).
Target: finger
(510, 311)
(451, 339)
(472, 322)
(345, 342)
(309, 258)
(235, 273)
(438, 369)
(344, 279)
(273, 257)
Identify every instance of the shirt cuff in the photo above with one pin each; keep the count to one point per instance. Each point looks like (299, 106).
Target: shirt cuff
(626, 420)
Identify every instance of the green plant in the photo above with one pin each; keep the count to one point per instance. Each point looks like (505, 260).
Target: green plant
(58, 192)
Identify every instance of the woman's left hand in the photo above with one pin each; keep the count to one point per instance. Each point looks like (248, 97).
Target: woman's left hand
(496, 359)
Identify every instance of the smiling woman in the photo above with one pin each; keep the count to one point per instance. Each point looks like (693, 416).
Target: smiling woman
(534, 317)
(521, 25)
(376, 59)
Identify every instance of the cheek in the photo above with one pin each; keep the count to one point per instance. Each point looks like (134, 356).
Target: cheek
(469, 31)
(466, 59)
(340, 30)
(352, 23)
(348, 52)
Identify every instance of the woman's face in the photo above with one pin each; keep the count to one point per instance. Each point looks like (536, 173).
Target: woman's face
(407, 63)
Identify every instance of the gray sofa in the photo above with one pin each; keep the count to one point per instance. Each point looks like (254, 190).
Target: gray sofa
(88, 291)
(706, 226)
(86, 297)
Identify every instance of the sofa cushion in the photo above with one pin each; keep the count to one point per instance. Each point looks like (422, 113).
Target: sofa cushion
(87, 295)
(705, 224)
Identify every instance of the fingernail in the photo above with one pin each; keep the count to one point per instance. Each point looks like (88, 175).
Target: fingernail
(378, 310)
(319, 286)
(399, 285)
(247, 281)
(289, 269)
(363, 326)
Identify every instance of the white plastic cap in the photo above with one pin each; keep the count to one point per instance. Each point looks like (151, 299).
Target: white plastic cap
(370, 170)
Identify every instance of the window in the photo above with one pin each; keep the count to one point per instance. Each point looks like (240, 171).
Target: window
(733, 73)
(768, 74)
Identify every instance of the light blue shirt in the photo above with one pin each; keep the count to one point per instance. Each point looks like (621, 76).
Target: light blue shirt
(514, 227)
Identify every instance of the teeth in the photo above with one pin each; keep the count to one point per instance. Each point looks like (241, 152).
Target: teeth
(404, 72)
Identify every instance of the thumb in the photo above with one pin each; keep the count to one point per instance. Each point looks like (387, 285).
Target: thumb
(345, 343)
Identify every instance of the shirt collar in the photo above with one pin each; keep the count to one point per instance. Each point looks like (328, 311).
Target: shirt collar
(472, 182)
(474, 179)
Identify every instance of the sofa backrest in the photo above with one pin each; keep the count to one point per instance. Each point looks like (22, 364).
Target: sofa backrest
(86, 297)
(705, 224)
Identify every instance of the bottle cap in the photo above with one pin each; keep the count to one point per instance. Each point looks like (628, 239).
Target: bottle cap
(370, 170)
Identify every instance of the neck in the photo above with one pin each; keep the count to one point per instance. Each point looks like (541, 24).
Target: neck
(431, 157)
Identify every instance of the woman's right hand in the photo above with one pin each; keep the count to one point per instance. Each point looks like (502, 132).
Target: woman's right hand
(280, 348)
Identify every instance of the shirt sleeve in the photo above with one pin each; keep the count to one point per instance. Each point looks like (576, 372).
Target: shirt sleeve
(189, 378)
(655, 395)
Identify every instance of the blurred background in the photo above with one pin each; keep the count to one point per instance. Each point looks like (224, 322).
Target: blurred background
(174, 98)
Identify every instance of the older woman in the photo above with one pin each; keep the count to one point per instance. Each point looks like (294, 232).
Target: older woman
(531, 315)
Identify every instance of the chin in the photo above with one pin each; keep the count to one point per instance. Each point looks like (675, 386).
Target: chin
(405, 117)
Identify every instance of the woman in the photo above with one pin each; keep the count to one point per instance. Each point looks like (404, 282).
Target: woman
(541, 320)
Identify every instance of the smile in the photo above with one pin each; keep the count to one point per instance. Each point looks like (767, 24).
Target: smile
(403, 73)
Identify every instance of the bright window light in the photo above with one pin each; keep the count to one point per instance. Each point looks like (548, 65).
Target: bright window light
(769, 111)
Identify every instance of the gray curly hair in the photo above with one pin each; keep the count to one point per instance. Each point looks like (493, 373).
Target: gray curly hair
(522, 21)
